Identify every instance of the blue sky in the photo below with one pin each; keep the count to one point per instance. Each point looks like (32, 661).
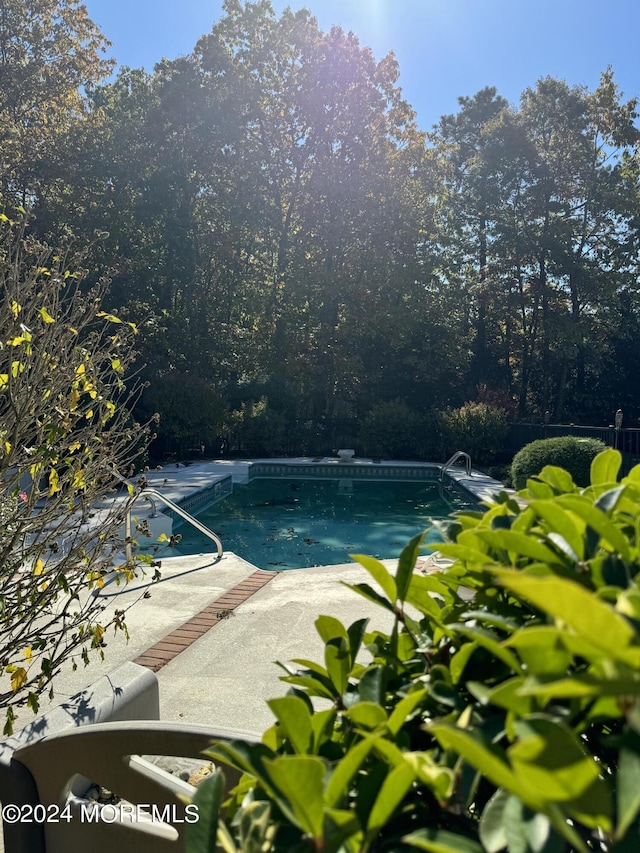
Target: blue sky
(445, 48)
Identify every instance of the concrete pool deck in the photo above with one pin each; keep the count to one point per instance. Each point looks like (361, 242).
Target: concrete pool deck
(222, 676)
(212, 629)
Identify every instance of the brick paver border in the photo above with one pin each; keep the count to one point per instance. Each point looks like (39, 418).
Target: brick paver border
(181, 638)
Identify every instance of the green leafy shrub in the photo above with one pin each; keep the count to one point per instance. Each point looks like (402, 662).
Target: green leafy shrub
(480, 429)
(501, 712)
(573, 454)
(394, 431)
(260, 430)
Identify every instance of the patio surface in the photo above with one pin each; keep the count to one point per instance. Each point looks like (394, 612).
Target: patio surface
(223, 676)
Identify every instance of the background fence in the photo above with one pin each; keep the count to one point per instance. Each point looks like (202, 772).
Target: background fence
(307, 438)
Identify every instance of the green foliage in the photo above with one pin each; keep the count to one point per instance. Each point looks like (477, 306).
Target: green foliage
(392, 430)
(260, 429)
(478, 428)
(51, 51)
(573, 454)
(500, 712)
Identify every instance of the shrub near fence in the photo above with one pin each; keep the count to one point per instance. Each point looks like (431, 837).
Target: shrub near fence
(573, 454)
(627, 441)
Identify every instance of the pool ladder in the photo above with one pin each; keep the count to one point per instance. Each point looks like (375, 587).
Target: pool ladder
(152, 495)
(459, 454)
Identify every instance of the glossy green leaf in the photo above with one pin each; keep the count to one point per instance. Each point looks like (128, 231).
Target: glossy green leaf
(295, 720)
(246, 757)
(580, 686)
(479, 691)
(549, 761)
(371, 687)
(317, 675)
(527, 831)
(507, 695)
(311, 685)
(345, 770)
(299, 779)
(520, 545)
(610, 499)
(322, 723)
(491, 828)
(406, 565)
(342, 831)
(598, 521)
(406, 644)
(370, 594)
(541, 648)
(627, 789)
(559, 479)
(574, 605)
(605, 467)
(338, 663)
(441, 780)
(487, 760)
(489, 641)
(312, 666)
(254, 826)
(628, 602)
(404, 708)
(539, 490)
(330, 628)
(420, 595)
(390, 797)
(380, 574)
(356, 633)
(561, 522)
(367, 715)
(441, 841)
(430, 583)
(464, 553)
(445, 694)
(460, 660)
(389, 751)
(581, 646)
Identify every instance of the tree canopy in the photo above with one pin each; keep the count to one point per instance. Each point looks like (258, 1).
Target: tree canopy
(284, 232)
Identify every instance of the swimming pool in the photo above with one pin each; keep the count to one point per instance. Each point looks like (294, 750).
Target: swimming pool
(289, 522)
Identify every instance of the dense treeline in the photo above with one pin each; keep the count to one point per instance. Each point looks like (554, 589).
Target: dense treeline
(298, 251)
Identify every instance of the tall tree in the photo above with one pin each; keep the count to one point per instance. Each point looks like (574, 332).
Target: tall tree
(572, 219)
(50, 53)
(324, 153)
(543, 239)
(469, 203)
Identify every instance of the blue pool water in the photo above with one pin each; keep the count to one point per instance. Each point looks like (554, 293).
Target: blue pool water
(286, 523)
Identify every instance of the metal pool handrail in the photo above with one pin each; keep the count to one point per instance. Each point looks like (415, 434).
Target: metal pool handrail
(149, 494)
(459, 454)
